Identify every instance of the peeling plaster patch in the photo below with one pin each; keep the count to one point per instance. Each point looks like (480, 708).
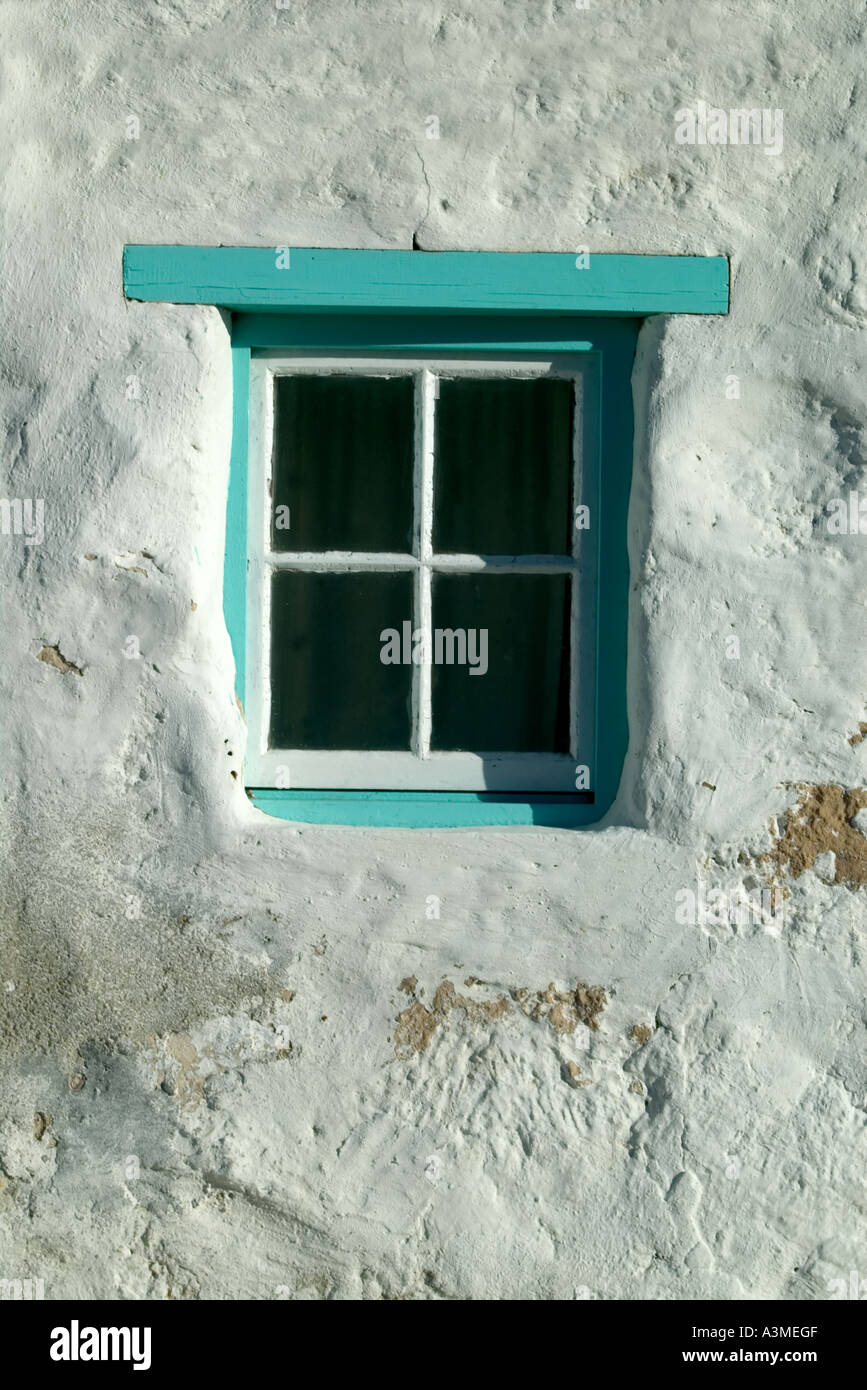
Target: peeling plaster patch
(572, 1074)
(183, 1064)
(563, 1010)
(859, 737)
(52, 657)
(127, 563)
(820, 823)
(640, 1032)
(476, 1010)
(417, 1024)
(415, 1029)
(189, 1085)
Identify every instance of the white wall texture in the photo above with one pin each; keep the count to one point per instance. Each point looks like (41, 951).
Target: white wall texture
(206, 1088)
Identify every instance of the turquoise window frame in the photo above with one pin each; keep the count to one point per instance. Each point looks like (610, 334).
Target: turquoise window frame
(469, 302)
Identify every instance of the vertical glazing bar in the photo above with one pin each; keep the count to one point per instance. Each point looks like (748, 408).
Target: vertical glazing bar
(425, 539)
(418, 470)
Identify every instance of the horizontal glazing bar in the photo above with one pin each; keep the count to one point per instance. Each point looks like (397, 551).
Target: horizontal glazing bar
(455, 564)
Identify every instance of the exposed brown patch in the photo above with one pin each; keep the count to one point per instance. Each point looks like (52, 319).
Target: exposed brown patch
(41, 1123)
(417, 1024)
(77, 1081)
(415, 1028)
(641, 1032)
(821, 821)
(52, 657)
(564, 1009)
(476, 1010)
(408, 985)
(572, 1074)
(189, 1086)
(859, 737)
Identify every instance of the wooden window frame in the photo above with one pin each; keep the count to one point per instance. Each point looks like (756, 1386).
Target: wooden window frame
(475, 304)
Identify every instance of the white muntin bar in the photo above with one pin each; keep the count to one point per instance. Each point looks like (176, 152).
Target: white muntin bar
(504, 564)
(340, 560)
(389, 560)
(425, 476)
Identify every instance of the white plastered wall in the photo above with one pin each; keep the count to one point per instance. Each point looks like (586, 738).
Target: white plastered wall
(206, 1088)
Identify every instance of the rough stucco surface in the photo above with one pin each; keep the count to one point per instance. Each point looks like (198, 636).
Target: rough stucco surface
(213, 1083)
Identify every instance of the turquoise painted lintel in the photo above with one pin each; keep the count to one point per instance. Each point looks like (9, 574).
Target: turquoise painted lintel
(309, 279)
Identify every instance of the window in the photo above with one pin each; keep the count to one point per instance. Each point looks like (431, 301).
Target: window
(420, 593)
(430, 424)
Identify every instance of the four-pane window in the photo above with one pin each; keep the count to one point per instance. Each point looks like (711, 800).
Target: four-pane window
(421, 566)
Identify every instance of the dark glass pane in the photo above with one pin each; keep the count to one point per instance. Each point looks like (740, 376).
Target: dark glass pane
(503, 467)
(521, 704)
(343, 456)
(329, 688)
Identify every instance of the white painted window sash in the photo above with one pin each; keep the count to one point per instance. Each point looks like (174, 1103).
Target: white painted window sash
(420, 768)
